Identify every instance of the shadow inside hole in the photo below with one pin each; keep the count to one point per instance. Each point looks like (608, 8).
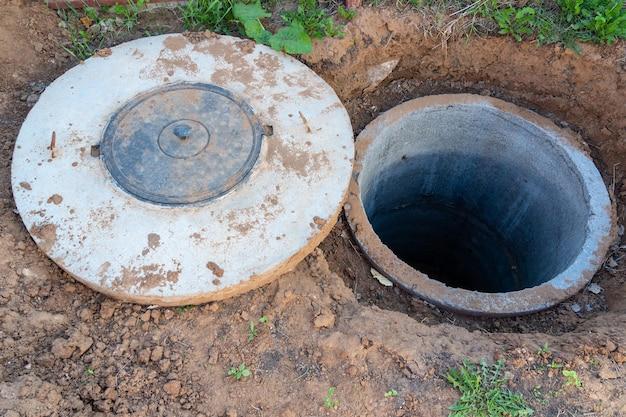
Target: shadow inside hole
(476, 222)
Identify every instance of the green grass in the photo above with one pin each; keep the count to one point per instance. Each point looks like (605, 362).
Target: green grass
(89, 27)
(240, 372)
(483, 392)
(316, 21)
(81, 44)
(542, 21)
(80, 41)
(129, 12)
(566, 21)
(346, 14)
(213, 15)
(308, 21)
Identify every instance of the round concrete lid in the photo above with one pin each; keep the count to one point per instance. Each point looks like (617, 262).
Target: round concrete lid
(145, 197)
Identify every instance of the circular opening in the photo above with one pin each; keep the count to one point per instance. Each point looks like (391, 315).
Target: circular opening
(478, 197)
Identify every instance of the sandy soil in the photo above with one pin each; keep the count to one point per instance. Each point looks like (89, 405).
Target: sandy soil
(67, 351)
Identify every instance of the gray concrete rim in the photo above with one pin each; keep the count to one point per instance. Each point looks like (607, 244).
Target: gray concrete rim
(600, 227)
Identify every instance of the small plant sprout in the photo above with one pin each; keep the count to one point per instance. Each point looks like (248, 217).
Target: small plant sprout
(483, 392)
(89, 371)
(346, 14)
(571, 378)
(540, 396)
(242, 371)
(330, 402)
(555, 365)
(252, 331)
(263, 319)
(544, 351)
(184, 309)
(392, 393)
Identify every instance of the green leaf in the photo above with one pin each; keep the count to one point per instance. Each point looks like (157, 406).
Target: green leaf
(392, 393)
(255, 30)
(292, 39)
(524, 13)
(119, 9)
(245, 12)
(347, 14)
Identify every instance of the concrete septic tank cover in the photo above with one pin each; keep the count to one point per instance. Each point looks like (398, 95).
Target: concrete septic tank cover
(478, 206)
(172, 171)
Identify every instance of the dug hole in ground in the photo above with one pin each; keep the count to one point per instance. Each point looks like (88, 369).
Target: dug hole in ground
(66, 350)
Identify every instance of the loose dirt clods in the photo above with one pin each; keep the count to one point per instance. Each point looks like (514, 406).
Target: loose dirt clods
(104, 52)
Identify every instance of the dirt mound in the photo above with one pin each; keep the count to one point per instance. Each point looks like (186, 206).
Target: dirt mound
(66, 350)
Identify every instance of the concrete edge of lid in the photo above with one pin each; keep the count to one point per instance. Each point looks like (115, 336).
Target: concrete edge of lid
(234, 290)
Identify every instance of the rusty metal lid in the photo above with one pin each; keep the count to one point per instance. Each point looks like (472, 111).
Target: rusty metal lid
(174, 170)
(182, 144)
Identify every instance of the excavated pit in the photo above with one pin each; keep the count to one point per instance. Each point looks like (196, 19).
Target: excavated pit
(494, 202)
(384, 61)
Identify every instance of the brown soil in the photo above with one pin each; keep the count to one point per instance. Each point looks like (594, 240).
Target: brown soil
(68, 351)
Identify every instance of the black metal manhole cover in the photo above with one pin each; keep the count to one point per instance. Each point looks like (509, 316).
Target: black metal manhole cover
(182, 144)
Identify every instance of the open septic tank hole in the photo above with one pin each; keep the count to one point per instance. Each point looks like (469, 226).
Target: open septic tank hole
(478, 205)
(477, 212)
